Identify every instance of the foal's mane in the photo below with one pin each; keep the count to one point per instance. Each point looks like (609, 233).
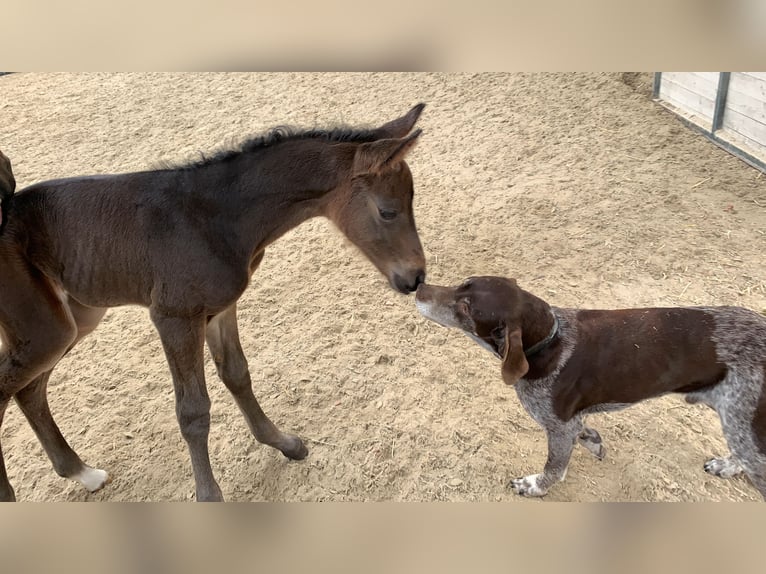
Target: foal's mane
(274, 136)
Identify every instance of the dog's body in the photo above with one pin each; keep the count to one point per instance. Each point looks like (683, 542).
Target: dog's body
(568, 363)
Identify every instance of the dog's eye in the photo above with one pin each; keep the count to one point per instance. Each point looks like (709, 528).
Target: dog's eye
(387, 214)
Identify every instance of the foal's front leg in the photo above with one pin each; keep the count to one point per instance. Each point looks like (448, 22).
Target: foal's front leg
(223, 340)
(183, 341)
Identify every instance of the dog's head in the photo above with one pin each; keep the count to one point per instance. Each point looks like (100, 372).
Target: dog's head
(487, 309)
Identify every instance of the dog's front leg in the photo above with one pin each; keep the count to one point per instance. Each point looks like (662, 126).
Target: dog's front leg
(561, 441)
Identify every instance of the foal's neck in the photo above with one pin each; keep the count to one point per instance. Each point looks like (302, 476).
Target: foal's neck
(281, 187)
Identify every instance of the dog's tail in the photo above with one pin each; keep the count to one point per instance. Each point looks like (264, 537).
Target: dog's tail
(7, 187)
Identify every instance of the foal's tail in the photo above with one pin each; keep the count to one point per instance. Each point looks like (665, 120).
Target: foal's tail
(7, 186)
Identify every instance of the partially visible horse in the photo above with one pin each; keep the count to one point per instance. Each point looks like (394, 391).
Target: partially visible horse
(7, 185)
(184, 242)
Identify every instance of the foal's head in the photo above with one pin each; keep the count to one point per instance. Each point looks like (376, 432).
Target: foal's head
(374, 209)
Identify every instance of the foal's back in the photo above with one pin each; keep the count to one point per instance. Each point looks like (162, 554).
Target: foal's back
(91, 235)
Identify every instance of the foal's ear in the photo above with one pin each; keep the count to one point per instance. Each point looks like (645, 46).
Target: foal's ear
(374, 157)
(515, 363)
(400, 127)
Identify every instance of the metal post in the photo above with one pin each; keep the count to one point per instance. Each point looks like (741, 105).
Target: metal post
(720, 100)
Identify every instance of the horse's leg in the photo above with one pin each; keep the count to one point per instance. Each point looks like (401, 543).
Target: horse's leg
(36, 329)
(33, 402)
(183, 341)
(6, 490)
(222, 338)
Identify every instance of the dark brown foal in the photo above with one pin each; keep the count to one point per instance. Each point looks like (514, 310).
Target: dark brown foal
(7, 185)
(184, 242)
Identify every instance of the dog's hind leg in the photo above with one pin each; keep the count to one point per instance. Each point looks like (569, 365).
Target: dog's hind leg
(754, 460)
(590, 439)
(744, 428)
(222, 338)
(561, 441)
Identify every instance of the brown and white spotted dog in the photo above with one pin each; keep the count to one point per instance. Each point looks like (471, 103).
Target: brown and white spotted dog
(7, 186)
(568, 363)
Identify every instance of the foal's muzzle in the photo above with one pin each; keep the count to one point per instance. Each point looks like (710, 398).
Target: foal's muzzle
(409, 283)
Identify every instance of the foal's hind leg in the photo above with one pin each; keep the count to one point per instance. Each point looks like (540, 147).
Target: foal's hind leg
(36, 329)
(222, 338)
(33, 402)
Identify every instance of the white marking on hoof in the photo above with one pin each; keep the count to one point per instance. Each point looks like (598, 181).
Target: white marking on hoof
(92, 479)
(528, 485)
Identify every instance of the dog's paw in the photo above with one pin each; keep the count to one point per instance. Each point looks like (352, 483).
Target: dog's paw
(591, 440)
(596, 449)
(528, 485)
(599, 453)
(723, 467)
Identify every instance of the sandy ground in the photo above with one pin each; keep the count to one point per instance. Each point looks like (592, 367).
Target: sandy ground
(578, 185)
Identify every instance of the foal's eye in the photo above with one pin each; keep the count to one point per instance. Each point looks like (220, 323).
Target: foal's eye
(387, 214)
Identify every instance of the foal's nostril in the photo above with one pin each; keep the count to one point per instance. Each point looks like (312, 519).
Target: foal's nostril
(408, 284)
(419, 278)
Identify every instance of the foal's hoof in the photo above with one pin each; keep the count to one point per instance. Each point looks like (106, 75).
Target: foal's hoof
(294, 449)
(212, 493)
(93, 479)
(7, 494)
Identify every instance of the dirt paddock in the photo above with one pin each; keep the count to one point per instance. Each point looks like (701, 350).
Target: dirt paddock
(578, 185)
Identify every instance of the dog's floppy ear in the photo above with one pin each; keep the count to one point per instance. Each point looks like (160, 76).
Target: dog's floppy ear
(515, 363)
